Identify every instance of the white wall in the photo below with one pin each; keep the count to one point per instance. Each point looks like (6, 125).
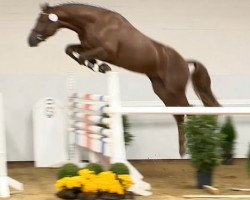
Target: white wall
(216, 32)
(213, 31)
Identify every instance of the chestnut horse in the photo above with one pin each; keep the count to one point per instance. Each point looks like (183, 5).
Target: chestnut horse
(107, 36)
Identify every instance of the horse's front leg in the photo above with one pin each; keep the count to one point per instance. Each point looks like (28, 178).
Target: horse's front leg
(77, 52)
(74, 52)
(96, 53)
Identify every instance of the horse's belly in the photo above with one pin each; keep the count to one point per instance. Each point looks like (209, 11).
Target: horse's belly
(136, 63)
(136, 59)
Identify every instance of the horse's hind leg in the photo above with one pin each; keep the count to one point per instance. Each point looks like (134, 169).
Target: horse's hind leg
(172, 98)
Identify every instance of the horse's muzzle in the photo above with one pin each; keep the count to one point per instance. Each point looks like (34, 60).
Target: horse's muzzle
(33, 40)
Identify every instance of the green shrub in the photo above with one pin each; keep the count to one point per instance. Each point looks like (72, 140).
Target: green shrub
(229, 136)
(203, 141)
(119, 168)
(97, 168)
(68, 170)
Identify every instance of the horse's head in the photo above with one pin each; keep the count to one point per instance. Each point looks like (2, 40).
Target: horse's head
(46, 26)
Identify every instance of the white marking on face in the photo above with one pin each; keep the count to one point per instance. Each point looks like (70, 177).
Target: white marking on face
(53, 17)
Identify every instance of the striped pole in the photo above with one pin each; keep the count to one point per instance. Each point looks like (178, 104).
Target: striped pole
(92, 128)
(90, 107)
(90, 97)
(93, 142)
(91, 118)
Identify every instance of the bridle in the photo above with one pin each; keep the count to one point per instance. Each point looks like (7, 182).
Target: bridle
(53, 18)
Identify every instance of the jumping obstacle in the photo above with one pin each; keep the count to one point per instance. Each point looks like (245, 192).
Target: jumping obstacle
(104, 143)
(115, 110)
(5, 181)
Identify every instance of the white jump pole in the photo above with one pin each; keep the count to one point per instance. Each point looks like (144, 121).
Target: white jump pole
(185, 110)
(5, 181)
(119, 151)
(118, 108)
(118, 144)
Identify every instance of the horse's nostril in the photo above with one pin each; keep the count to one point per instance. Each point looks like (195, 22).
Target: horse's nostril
(40, 37)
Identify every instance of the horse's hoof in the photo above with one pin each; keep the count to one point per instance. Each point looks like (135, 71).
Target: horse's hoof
(103, 68)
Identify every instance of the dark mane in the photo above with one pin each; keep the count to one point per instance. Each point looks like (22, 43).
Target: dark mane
(79, 4)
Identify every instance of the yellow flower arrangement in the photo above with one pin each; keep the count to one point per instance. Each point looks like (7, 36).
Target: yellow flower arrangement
(60, 184)
(126, 181)
(69, 183)
(88, 181)
(86, 172)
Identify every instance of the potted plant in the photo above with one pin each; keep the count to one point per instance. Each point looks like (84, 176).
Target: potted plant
(204, 146)
(228, 141)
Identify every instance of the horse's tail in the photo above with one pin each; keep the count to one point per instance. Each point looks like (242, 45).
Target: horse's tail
(202, 84)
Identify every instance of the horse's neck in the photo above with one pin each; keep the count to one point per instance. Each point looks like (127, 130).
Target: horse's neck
(75, 18)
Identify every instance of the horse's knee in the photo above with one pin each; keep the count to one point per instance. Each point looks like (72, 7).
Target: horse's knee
(69, 50)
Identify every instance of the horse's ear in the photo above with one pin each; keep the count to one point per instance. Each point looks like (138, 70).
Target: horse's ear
(44, 6)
